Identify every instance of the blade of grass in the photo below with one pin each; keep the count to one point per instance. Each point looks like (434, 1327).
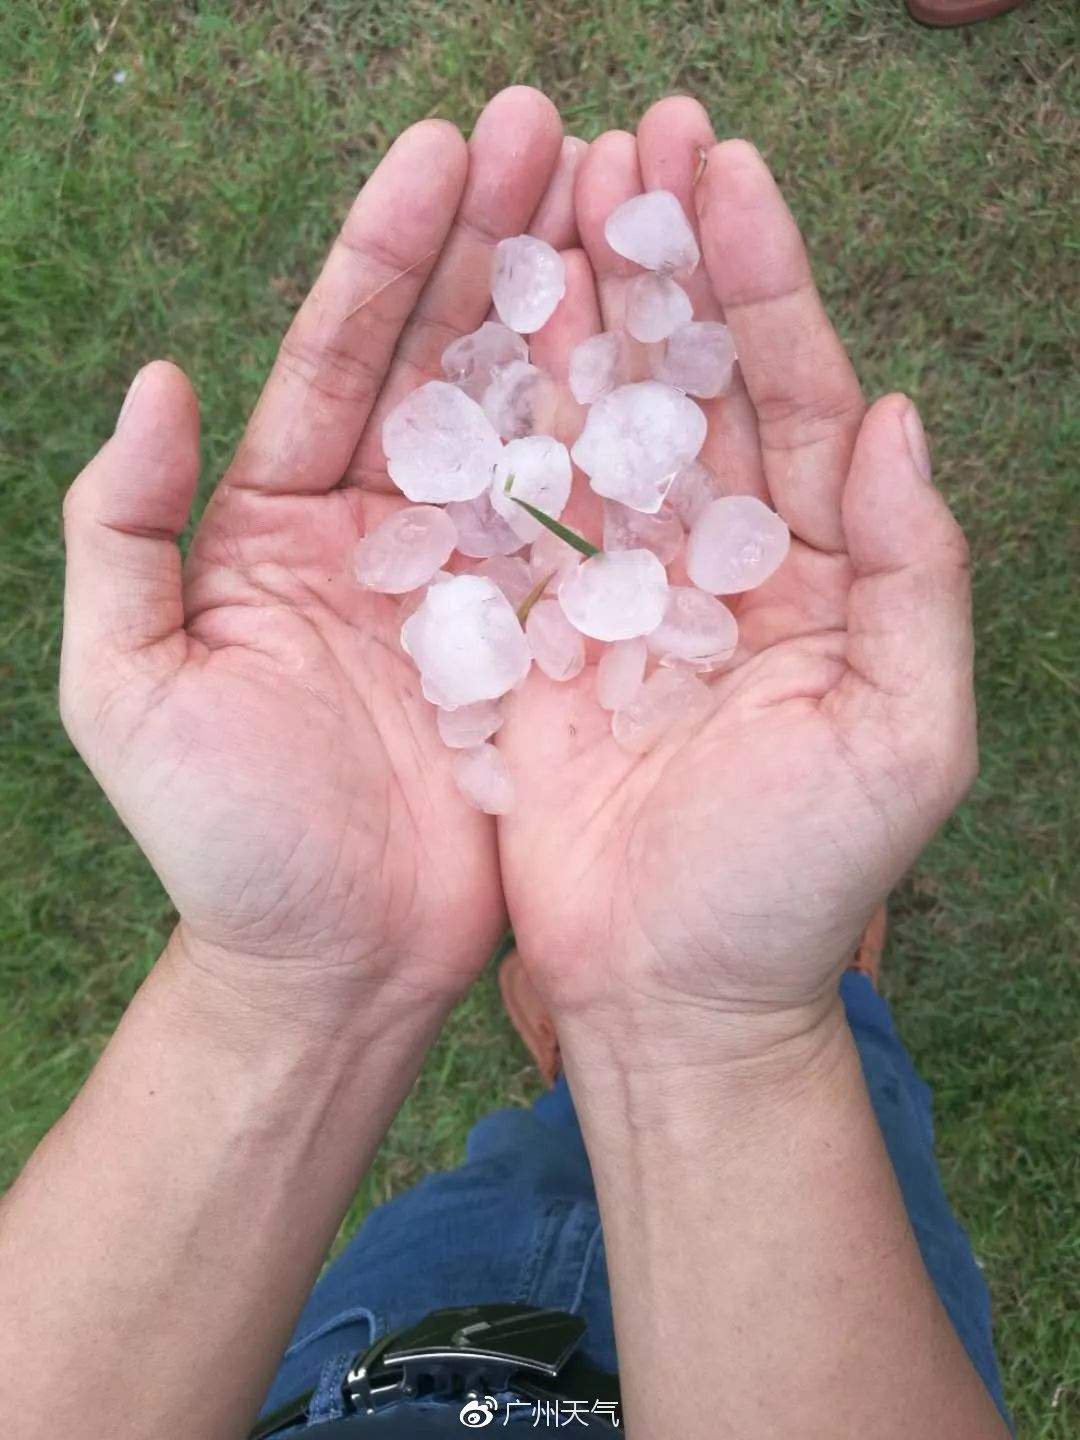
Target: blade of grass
(570, 537)
(533, 596)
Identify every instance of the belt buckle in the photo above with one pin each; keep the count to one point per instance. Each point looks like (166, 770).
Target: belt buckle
(467, 1349)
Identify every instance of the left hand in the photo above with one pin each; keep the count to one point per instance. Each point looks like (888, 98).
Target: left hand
(253, 719)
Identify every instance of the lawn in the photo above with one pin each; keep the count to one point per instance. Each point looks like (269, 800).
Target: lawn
(171, 175)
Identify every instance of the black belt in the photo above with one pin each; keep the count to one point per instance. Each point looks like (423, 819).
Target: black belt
(471, 1354)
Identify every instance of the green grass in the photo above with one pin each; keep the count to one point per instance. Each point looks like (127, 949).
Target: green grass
(183, 212)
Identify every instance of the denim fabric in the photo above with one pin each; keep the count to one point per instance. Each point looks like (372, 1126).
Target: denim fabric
(518, 1221)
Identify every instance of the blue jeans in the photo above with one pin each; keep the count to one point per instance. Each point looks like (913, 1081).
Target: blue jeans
(519, 1222)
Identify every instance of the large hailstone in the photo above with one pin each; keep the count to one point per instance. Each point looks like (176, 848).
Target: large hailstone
(636, 440)
(466, 642)
(511, 573)
(481, 531)
(626, 529)
(655, 307)
(697, 630)
(528, 281)
(439, 444)
(470, 361)
(405, 551)
(595, 366)
(669, 698)
(521, 400)
(539, 471)
(699, 358)
(653, 231)
(468, 725)
(550, 557)
(735, 544)
(615, 596)
(557, 647)
(691, 490)
(619, 673)
(482, 776)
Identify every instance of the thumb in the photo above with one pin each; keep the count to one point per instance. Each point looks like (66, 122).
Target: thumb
(123, 607)
(909, 616)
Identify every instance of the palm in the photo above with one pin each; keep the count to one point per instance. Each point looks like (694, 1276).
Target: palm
(264, 737)
(310, 764)
(737, 862)
(709, 843)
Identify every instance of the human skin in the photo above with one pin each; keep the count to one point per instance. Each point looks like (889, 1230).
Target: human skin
(257, 728)
(259, 731)
(688, 918)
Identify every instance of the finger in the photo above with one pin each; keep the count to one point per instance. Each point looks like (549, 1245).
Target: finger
(336, 353)
(576, 318)
(514, 149)
(608, 175)
(554, 220)
(123, 610)
(674, 137)
(797, 373)
(909, 615)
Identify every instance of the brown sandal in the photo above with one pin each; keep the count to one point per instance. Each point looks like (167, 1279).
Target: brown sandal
(867, 959)
(533, 1024)
(958, 12)
(529, 1017)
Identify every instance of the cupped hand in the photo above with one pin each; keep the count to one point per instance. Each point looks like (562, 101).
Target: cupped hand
(729, 872)
(250, 714)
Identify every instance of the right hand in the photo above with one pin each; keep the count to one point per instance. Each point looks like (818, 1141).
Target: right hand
(707, 895)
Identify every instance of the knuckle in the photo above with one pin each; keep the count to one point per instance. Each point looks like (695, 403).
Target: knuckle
(793, 421)
(330, 367)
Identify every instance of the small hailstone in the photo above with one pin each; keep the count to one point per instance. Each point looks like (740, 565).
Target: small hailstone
(595, 365)
(468, 362)
(520, 400)
(528, 281)
(549, 555)
(656, 306)
(466, 642)
(511, 574)
(439, 444)
(468, 725)
(481, 775)
(667, 699)
(691, 490)
(620, 672)
(699, 358)
(557, 648)
(697, 630)
(540, 472)
(626, 529)
(615, 596)
(653, 231)
(481, 531)
(405, 550)
(735, 544)
(636, 440)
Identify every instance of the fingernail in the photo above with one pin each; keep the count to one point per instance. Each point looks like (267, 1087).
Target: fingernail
(916, 441)
(130, 396)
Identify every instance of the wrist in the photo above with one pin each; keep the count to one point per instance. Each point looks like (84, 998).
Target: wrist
(682, 1072)
(243, 1004)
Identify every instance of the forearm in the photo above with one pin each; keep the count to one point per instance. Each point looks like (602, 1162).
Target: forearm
(765, 1278)
(157, 1249)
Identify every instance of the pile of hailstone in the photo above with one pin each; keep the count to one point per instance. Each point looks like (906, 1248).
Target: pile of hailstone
(474, 454)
